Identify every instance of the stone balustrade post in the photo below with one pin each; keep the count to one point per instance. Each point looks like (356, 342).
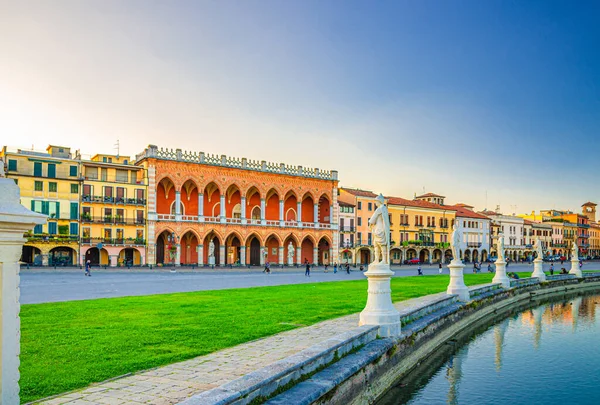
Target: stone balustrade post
(242, 255)
(299, 213)
(15, 220)
(200, 207)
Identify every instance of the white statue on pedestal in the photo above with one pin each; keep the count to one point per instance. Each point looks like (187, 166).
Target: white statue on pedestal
(575, 269)
(290, 254)
(380, 225)
(500, 246)
(575, 251)
(379, 309)
(211, 249)
(538, 248)
(537, 263)
(455, 243)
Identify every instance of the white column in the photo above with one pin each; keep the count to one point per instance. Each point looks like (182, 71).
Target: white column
(200, 207)
(243, 213)
(113, 259)
(178, 255)
(262, 211)
(316, 212)
(299, 213)
(177, 205)
(281, 212)
(299, 259)
(500, 276)
(222, 255)
(242, 255)
(316, 256)
(538, 270)
(280, 258)
(262, 255)
(200, 250)
(223, 208)
(14, 221)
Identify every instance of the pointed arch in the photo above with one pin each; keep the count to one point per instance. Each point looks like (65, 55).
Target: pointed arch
(165, 195)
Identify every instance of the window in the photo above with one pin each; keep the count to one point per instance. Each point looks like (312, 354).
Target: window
(52, 187)
(120, 194)
(120, 217)
(107, 235)
(139, 235)
(38, 186)
(86, 234)
(140, 216)
(359, 237)
(369, 238)
(52, 228)
(51, 170)
(359, 221)
(12, 165)
(74, 210)
(38, 230)
(74, 188)
(139, 194)
(74, 229)
(370, 209)
(53, 209)
(73, 171)
(91, 173)
(360, 205)
(122, 176)
(37, 169)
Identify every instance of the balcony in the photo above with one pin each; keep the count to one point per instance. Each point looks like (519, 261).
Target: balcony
(347, 229)
(112, 200)
(474, 245)
(419, 225)
(46, 238)
(115, 179)
(113, 241)
(346, 245)
(405, 224)
(444, 226)
(430, 225)
(112, 220)
(246, 221)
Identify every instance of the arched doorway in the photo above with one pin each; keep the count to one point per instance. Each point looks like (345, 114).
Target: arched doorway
(232, 249)
(130, 257)
(448, 255)
(61, 256)
(287, 249)
(93, 255)
(475, 255)
(217, 249)
(324, 247)
(365, 256)
(272, 249)
(467, 256)
(437, 256)
(189, 248)
(346, 257)
(396, 256)
(31, 255)
(411, 254)
(424, 256)
(308, 246)
(484, 256)
(254, 251)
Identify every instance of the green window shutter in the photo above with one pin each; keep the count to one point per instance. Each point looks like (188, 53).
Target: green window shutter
(37, 169)
(51, 170)
(74, 210)
(12, 165)
(57, 210)
(33, 205)
(73, 170)
(45, 207)
(52, 228)
(74, 229)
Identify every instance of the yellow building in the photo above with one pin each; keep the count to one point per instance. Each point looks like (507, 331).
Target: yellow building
(113, 211)
(420, 229)
(50, 184)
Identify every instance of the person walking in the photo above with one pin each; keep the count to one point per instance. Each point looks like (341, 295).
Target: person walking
(440, 268)
(419, 272)
(334, 268)
(268, 268)
(307, 271)
(88, 268)
(551, 268)
(347, 268)
(489, 267)
(326, 268)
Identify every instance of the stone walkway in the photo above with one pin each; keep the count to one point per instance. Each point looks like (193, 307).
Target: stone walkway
(176, 382)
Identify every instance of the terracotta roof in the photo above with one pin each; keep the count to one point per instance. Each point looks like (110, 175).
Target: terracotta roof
(463, 205)
(359, 193)
(488, 212)
(345, 204)
(417, 203)
(430, 195)
(527, 222)
(589, 203)
(466, 213)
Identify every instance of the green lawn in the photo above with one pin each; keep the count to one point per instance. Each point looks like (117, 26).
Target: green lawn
(69, 345)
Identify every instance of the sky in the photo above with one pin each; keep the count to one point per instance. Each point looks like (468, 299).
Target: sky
(485, 102)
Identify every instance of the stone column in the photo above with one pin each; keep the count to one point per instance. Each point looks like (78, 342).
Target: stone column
(316, 214)
(299, 213)
(379, 309)
(263, 221)
(200, 250)
(500, 276)
(15, 220)
(113, 260)
(281, 218)
(242, 255)
(222, 255)
(243, 213)
(331, 261)
(538, 269)
(44, 259)
(575, 270)
(280, 257)
(200, 207)
(457, 283)
(177, 205)
(299, 260)
(222, 206)
(316, 256)
(178, 255)
(262, 255)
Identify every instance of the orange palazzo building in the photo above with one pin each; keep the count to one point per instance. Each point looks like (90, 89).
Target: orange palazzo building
(252, 211)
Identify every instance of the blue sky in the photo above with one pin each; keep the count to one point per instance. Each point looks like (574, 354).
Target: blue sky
(453, 97)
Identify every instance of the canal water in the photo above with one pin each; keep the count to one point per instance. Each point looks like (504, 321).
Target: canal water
(549, 354)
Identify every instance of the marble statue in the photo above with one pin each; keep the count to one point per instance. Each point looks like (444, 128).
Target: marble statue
(455, 242)
(538, 248)
(500, 247)
(290, 253)
(380, 225)
(574, 251)
(211, 249)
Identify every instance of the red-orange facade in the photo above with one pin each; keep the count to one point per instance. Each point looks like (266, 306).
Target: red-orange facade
(250, 210)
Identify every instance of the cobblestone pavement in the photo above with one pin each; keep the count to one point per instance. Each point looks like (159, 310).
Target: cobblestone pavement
(49, 285)
(176, 382)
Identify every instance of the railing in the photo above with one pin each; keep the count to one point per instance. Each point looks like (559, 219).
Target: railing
(113, 241)
(52, 238)
(113, 200)
(404, 224)
(346, 245)
(189, 218)
(233, 220)
(270, 222)
(323, 226)
(114, 179)
(254, 221)
(290, 224)
(444, 226)
(113, 220)
(430, 225)
(166, 217)
(419, 225)
(347, 229)
(474, 244)
(217, 220)
(212, 220)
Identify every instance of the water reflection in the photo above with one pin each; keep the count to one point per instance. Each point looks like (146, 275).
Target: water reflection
(500, 364)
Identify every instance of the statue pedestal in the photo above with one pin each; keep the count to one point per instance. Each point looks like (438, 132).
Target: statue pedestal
(537, 270)
(379, 309)
(291, 262)
(457, 282)
(501, 276)
(575, 270)
(211, 260)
